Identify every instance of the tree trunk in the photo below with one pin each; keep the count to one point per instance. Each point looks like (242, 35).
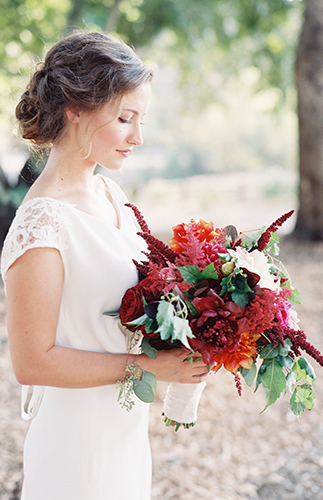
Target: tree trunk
(113, 16)
(309, 82)
(74, 17)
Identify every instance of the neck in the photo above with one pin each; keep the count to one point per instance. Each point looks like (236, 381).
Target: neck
(67, 166)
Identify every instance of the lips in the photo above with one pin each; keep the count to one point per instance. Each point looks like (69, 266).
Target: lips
(124, 152)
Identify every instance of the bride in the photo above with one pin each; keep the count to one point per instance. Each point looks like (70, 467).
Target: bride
(67, 258)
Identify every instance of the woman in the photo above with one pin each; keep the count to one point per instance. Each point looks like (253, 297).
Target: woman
(66, 260)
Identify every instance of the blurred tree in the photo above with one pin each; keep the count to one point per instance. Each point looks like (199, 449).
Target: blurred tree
(25, 25)
(309, 79)
(206, 35)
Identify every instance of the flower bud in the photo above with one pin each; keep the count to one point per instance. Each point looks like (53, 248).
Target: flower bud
(227, 268)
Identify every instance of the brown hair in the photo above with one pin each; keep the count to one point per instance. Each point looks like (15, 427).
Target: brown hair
(84, 70)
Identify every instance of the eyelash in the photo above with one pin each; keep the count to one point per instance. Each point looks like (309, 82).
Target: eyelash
(128, 121)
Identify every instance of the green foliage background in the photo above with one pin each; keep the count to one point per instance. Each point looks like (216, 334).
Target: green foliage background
(199, 36)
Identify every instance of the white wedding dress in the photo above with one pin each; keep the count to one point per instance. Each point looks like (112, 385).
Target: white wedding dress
(81, 445)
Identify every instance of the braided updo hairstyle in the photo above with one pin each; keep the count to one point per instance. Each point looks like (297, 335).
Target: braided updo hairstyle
(84, 70)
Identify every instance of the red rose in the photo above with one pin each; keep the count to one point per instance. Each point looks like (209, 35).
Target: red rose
(132, 302)
(131, 305)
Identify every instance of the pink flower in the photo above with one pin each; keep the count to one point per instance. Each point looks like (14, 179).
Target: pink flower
(293, 320)
(283, 314)
(286, 316)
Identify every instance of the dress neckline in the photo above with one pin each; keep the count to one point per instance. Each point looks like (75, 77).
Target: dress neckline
(74, 205)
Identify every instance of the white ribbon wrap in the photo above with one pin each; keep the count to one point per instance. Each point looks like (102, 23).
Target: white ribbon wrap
(181, 402)
(31, 397)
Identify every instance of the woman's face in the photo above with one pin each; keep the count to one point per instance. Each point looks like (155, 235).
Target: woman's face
(107, 138)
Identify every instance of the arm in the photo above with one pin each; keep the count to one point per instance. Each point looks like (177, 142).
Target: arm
(34, 290)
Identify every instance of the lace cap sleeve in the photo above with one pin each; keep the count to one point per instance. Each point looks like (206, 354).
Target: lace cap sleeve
(39, 223)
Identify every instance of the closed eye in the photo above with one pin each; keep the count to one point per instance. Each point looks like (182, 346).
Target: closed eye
(124, 121)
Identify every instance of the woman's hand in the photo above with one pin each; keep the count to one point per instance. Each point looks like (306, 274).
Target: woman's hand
(172, 366)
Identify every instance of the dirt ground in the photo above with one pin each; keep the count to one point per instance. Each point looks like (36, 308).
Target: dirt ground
(233, 452)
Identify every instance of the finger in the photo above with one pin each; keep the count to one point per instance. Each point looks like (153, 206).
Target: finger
(200, 378)
(200, 365)
(181, 353)
(201, 374)
(202, 371)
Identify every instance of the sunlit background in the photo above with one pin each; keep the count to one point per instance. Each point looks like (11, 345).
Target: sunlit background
(221, 134)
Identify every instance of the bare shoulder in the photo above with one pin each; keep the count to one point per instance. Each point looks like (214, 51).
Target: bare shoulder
(42, 189)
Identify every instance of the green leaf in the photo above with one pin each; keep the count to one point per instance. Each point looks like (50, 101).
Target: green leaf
(150, 379)
(181, 331)
(304, 370)
(249, 375)
(252, 239)
(283, 350)
(150, 324)
(238, 286)
(139, 321)
(271, 352)
(240, 298)
(165, 315)
(291, 380)
(227, 285)
(146, 348)
(225, 257)
(209, 272)
(143, 391)
(285, 361)
(273, 245)
(261, 371)
(273, 381)
(294, 296)
(296, 404)
(191, 308)
(172, 326)
(302, 396)
(111, 313)
(191, 274)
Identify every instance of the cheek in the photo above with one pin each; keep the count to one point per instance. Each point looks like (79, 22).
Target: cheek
(108, 139)
(112, 138)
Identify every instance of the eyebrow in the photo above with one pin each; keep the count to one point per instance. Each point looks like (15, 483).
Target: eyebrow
(131, 110)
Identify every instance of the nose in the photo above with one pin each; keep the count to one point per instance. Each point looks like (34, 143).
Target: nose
(135, 137)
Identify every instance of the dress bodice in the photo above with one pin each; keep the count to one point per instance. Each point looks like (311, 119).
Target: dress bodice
(97, 259)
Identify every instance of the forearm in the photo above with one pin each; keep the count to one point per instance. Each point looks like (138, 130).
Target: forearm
(74, 368)
(71, 368)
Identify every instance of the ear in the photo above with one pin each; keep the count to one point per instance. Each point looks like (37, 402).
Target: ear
(73, 114)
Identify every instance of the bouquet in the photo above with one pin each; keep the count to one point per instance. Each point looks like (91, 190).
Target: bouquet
(225, 296)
